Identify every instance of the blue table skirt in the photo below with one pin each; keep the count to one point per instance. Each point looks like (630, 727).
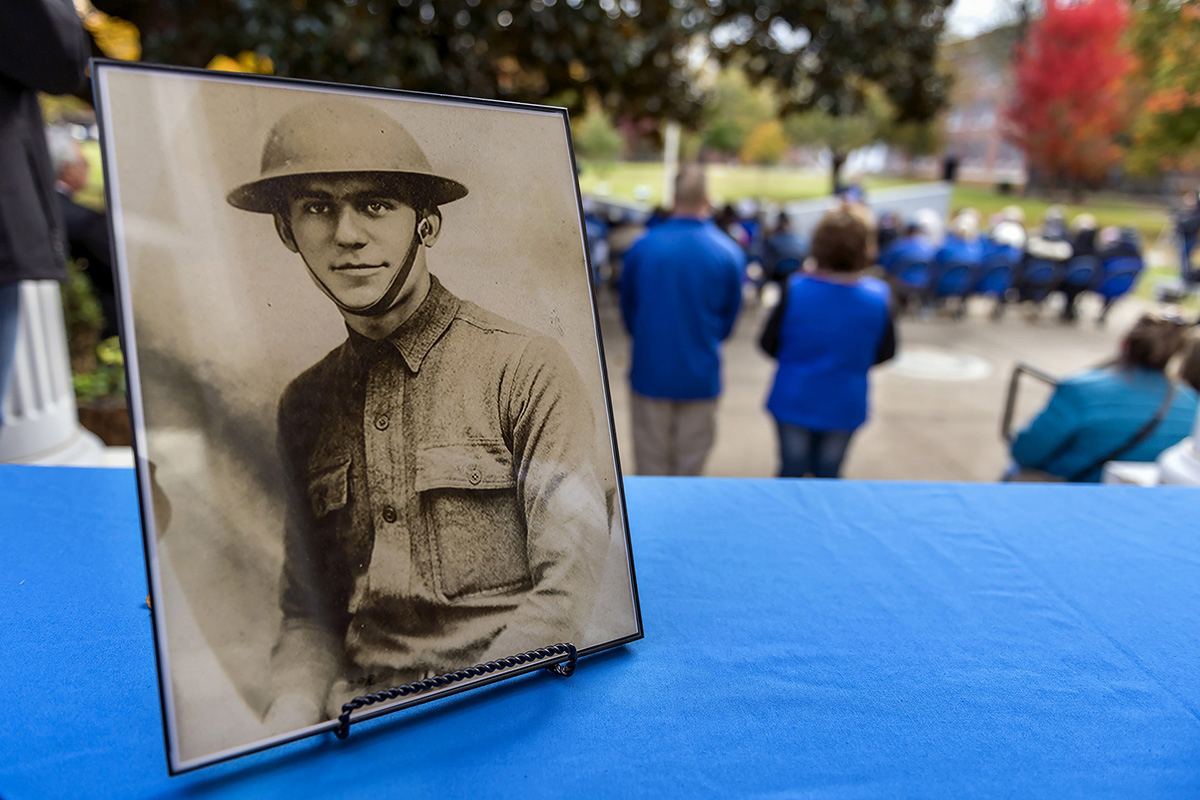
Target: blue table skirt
(825, 639)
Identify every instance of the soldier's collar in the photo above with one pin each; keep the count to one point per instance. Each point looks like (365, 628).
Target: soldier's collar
(417, 335)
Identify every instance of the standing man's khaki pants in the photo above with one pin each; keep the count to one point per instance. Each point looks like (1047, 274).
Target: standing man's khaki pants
(672, 437)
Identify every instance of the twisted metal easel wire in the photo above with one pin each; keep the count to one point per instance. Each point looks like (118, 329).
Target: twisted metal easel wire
(564, 655)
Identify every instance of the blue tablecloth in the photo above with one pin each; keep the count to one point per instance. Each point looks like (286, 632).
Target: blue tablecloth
(827, 639)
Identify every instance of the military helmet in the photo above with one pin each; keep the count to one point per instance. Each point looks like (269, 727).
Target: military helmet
(333, 136)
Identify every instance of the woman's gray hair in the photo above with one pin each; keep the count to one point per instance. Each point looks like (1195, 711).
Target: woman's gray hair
(63, 148)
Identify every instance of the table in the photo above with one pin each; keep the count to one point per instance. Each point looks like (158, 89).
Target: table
(825, 639)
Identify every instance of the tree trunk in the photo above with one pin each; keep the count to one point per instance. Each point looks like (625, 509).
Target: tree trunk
(1076, 190)
(839, 158)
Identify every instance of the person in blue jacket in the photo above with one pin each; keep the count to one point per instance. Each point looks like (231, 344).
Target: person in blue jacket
(1096, 413)
(1007, 238)
(831, 326)
(1187, 226)
(681, 288)
(919, 243)
(962, 241)
(961, 246)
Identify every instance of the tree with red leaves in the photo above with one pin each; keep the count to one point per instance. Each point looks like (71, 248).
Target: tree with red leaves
(1071, 100)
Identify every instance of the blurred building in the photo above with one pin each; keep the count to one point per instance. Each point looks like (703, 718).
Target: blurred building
(974, 122)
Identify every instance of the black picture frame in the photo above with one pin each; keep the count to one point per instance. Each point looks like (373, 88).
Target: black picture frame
(213, 326)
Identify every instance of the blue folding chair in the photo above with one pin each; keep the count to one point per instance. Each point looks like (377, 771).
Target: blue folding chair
(995, 278)
(1040, 277)
(912, 275)
(1118, 276)
(953, 279)
(996, 275)
(911, 279)
(1081, 272)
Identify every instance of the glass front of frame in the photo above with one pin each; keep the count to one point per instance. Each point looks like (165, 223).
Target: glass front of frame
(372, 427)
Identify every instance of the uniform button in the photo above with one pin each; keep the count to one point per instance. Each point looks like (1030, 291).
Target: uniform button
(474, 476)
(389, 514)
(382, 422)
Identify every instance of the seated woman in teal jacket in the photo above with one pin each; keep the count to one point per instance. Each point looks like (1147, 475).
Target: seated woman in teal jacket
(1096, 413)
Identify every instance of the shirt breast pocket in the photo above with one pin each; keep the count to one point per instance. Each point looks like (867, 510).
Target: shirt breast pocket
(477, 530)
(328, 487)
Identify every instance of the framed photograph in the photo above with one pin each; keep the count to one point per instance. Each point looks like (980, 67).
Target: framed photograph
(373, 436)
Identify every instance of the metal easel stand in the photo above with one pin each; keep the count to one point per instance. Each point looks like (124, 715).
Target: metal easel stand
(559, 659)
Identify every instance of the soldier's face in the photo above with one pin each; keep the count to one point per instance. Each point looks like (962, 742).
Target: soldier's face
(353, 233)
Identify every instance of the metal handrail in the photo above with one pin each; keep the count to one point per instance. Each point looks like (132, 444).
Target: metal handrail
(1010, 401)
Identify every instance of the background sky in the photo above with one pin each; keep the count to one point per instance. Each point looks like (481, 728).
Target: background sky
(970, 17)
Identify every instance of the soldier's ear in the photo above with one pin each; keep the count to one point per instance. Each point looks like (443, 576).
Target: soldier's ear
(430, 227)
(283, 226)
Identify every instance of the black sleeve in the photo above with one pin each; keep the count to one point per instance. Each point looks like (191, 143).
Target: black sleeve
(87, 235)
(769, 340)
(887, 344)
(43, 45)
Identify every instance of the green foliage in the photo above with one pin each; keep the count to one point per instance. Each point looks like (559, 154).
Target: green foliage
(98, 367)
(58, 108)
(690, 145)
(765, 145)
(1153, 21)
(634, 55)
(108, 378)
(914, 138)
(824, 55)
(596, 138)
(839, 134)
(735, 108)
(1166, 132)
(81, 309)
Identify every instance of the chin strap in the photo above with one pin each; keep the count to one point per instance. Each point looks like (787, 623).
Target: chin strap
(384, 303)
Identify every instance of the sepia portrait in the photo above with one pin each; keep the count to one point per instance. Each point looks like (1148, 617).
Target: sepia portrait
(372, 429)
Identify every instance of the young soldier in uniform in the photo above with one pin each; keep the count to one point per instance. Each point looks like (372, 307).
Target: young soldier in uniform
(444, 508)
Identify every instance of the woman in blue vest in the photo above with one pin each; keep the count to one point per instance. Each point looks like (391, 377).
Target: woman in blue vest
(832, 324)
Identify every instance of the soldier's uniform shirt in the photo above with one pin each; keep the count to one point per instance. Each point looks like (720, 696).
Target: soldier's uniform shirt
(444, 506)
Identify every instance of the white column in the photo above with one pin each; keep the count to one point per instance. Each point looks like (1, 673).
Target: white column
(40, 423)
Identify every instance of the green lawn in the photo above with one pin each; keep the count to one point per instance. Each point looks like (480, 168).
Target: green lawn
(1149, 219)
(631, 181)
(643, 181)
(92, 195)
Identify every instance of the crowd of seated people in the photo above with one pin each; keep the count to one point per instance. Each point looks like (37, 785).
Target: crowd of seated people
(929, 269)
(929, 264)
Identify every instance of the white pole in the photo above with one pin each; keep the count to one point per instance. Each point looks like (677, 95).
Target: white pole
(670, 162)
